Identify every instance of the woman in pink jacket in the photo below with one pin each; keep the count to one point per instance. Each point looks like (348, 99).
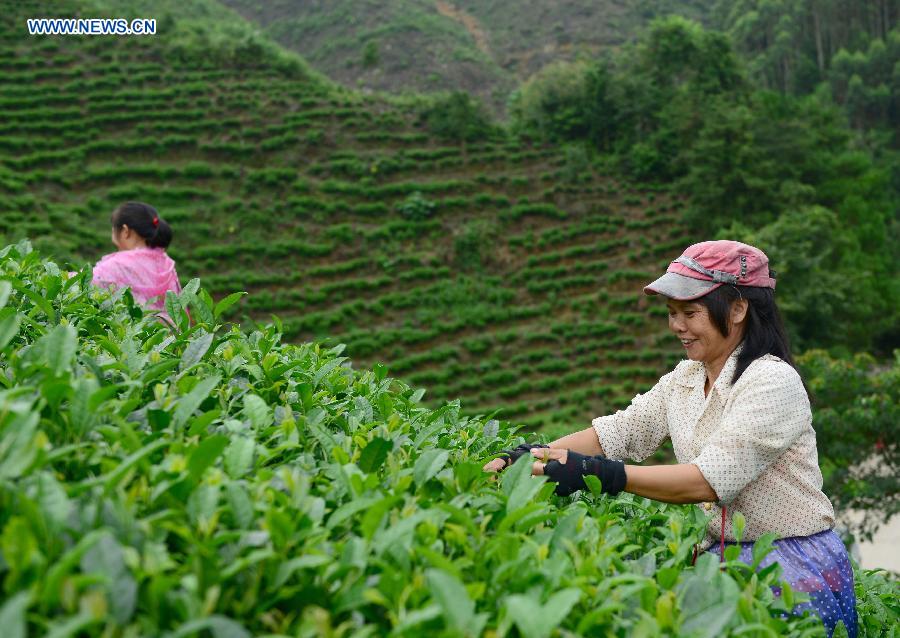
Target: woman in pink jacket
(141, 262)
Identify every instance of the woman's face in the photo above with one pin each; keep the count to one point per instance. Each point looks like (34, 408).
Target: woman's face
(115, 238)
(702, 341)
(126, 239)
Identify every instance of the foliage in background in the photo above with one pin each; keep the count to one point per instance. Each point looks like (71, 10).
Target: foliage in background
(159, 481)
(481, 48)
(556, 105)
(395, 46)
(856, 411)
(205, 34)
(834, 287)
(460, 118)
(792, 47)
(784, 171)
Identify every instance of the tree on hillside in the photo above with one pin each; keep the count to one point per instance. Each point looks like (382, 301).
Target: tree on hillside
(555, 104)
(857, 408)
(458, 116)
(793, 46)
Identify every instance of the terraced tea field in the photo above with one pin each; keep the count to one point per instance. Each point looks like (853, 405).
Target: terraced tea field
(502, 274)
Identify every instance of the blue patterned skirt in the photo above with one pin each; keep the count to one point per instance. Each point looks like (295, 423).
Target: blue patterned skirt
(818, 565)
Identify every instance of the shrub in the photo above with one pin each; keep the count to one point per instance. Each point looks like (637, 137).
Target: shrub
(416, 208)
(458, 117)
(554, 103)
(370, 57)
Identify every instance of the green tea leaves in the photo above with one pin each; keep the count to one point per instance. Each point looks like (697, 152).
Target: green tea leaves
(206, 454)
(10, 321)
(18, 428)
(537, 620)
(222, 483)
(374, 454)
(429, 464)
(53, 500)
(455, 603)
(738, 522)
(227, 303)
(707, 599)
(519, 485)
(187, 404)
(58, 349)
(257, 411)
(240, 504)
(106, 559)
(239, 456)
(195, 350)
(219, 626)
(12, 615)
(5, 290)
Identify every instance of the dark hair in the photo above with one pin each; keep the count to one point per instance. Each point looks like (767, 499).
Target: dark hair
(140, 217)
(764, 331)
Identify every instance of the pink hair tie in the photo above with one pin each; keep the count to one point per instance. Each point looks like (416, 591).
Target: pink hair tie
(156, 221)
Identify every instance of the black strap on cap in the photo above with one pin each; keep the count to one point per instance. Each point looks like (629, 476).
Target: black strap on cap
(718, 276)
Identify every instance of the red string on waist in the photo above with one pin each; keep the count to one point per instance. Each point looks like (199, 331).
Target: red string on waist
(721, 542)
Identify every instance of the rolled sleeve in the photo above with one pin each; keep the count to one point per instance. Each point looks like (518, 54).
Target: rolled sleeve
(637, 431)
(766, 417)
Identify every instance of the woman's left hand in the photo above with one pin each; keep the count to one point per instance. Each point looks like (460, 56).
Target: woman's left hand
(568, 469)
(545, 455)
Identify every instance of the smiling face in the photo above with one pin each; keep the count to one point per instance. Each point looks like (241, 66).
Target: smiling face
(691, 323)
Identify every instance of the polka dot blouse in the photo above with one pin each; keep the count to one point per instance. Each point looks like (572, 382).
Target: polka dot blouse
(753, 442)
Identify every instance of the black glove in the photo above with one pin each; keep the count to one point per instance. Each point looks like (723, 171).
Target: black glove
(513, 455)
(569, 476)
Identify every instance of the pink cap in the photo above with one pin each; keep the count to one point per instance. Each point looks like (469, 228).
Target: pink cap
(705, 266)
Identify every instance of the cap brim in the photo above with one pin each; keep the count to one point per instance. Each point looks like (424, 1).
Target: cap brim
(679, 287)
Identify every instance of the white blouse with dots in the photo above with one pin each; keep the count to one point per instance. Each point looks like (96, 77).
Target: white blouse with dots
(753, 442)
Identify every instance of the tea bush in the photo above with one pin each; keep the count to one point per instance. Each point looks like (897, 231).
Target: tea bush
(202, 479)
(416, 208)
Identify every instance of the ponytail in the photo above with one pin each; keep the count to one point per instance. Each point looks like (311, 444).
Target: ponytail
(145, 221)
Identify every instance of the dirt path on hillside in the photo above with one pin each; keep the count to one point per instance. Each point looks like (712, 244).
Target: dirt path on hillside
(468, 21)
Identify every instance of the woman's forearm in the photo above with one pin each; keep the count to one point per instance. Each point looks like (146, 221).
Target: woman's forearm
(583, 442)
(682, 483)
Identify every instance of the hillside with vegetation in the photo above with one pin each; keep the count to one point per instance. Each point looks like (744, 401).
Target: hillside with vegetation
(483, 48)
(488, 48)
(501, 273)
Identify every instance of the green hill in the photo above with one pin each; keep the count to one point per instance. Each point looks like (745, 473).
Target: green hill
(512, 281)
(484, 48)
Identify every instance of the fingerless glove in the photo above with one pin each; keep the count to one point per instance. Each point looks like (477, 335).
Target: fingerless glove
(513, 455)
(569, 476)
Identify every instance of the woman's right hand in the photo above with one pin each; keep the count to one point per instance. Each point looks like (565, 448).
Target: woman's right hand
(496, 465)
(511, 456)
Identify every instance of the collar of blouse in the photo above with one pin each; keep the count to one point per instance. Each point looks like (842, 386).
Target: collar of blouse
(696, 373)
